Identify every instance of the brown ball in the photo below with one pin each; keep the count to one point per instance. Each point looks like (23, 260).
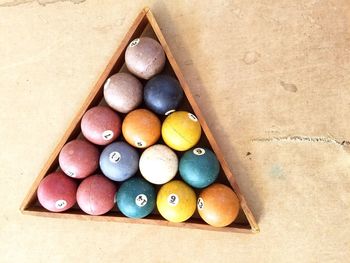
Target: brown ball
(123, 92)
(145, 57)
(141, 128)
(100, 125)
(218, 205)
(79, 158)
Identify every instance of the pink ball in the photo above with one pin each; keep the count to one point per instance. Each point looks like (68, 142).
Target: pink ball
(57, 192)
(95, 195)
(79, 159)
(101, 125)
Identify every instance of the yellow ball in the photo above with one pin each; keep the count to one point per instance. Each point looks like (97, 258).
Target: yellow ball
(181, 130)
(176, 201)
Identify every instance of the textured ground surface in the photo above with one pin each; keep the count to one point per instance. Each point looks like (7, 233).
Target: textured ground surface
(272, 79)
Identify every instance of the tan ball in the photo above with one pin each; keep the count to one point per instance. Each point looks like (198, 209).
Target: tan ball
(145, 57)
(123, 92)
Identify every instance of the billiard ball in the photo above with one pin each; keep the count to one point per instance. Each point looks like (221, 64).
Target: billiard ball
(141, 128)
(79, 158)
(123, 92)
(199, 167)
(158, 164)
(181, 130)
(57, 191)
(119, 161)
(176, 201)
(162, 94)
(136, 198)
(95, 195)
(101, 125)
(218, 205)
(144, 57)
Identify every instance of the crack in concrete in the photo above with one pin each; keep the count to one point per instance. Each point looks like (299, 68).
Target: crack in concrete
(40, 2)
(307, 139)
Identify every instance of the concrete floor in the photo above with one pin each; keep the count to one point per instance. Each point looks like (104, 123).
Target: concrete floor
(272, 79)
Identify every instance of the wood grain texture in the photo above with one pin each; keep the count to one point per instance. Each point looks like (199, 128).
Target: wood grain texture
(151, 220)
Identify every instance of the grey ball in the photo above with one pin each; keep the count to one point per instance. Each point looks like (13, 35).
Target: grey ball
(123, 92)
(119, 161)
(144, 57)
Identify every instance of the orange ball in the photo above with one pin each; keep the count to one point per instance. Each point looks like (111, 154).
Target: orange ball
(218, 205)
(141, 128)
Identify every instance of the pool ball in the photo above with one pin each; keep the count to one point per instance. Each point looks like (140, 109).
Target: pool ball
(158, 164)
(123, 92)
(78, 158)
(176, 201)
(141, 128)
(100, 125)
(218, 205)
(144, 57)
(119, 161)
(162, 94)
(56, 192)
(199, 167)
(95, 195)
(181, 130)
(136, 198)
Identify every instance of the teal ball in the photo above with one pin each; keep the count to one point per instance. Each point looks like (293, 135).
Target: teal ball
(136, 198)
(199, 167)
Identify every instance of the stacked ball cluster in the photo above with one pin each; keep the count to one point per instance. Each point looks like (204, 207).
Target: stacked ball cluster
(139, 152)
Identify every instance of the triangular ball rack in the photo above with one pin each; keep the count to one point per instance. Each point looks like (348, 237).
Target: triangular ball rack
(144, 24)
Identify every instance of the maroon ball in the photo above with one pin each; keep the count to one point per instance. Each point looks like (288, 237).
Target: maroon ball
(57, 192)
(95, 195)
(79, 159)
(101, 125)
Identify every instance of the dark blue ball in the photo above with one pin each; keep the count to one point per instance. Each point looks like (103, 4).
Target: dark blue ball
(162, 94)
(136, 198)
(199, 167)
(119, 161)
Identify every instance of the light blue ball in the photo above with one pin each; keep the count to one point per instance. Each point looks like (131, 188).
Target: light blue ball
(119, 161)
(199, 167)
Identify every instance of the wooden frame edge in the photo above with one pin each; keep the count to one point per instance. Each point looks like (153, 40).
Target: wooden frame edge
(144, 15)
(205, 127)
(88, 101)
(143, 221)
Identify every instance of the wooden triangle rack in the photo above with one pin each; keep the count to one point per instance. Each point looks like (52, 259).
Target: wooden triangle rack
(144, 25)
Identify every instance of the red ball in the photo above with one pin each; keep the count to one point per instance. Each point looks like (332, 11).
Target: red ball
(57, 192)
(95, 195)
(79, 158)
(101, 125)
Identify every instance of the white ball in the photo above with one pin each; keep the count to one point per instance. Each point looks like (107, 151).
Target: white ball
(158, 164)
